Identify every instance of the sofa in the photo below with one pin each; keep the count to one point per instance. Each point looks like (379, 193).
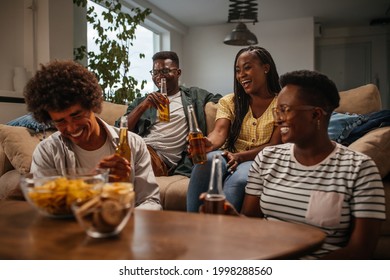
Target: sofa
(18, 143)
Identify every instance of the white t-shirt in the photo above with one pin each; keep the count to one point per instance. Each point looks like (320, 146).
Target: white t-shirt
(168, 139)
(86, 159)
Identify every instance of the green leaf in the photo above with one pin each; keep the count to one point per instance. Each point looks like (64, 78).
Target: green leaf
(114, 53)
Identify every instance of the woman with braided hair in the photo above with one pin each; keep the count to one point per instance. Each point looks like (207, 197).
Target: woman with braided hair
(244, 126)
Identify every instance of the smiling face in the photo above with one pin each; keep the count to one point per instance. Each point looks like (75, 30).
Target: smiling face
(251, 73)
(296, 120)
(78, 125)
(172, 77)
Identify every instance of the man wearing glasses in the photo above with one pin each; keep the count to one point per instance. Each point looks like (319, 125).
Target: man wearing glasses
(166, 141)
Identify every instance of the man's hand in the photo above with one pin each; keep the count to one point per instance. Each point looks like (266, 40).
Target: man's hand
(119, 167)
(156, 100)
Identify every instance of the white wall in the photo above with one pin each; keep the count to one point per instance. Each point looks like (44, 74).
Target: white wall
(53, 40)
(208, 63)
(375, 39)
(11, 47)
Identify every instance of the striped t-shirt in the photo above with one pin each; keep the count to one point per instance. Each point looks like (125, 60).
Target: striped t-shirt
(327, 195)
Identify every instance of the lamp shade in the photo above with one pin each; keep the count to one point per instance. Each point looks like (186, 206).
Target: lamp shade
(241, 36)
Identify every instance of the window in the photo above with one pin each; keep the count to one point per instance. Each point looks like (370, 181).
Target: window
(144, 43)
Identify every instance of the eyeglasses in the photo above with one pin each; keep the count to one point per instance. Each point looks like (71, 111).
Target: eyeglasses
(284, 110)
(164, 71)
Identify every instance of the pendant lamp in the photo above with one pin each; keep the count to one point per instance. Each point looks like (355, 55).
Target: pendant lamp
(240, 36)
(242, 11)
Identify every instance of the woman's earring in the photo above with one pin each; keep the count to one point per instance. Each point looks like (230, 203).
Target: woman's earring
(265, 72)
(318, 124)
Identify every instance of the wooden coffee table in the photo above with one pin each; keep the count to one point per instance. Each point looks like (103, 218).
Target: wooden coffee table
(162, 235)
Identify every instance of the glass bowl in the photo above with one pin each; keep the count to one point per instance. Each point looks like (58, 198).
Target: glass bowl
(106, 214)
(52, 192)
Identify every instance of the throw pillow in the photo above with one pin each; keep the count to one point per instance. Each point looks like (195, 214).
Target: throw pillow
(29, 122)
(361, 100)
(18, 145)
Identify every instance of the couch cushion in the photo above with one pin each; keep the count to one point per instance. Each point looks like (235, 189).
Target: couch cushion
(18, 144)
(210, 111)
(173, 192)
(111, 112)
(361, 100)
(376, 144)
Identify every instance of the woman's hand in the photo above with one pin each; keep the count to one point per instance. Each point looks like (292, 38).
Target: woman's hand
(233, 160)
(207, 144)
(228, 208)
(119, 167)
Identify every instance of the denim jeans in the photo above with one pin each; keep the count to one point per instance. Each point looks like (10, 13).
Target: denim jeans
(233, 184)
(341, 125)
(374, 120)
(347, 128)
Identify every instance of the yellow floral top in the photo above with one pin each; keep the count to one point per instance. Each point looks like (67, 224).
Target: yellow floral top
(254, 132)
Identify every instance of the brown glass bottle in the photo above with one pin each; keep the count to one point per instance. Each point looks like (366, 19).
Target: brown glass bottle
(215, 198)
(163, 113)
(123, 148)
(195, 138)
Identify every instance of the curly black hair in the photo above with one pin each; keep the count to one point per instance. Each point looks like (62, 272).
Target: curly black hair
(241, 99)
(60, 85)
(315, 88)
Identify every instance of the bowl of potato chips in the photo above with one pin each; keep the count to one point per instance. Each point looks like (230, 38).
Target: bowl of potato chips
(52, 192)
(106, 214)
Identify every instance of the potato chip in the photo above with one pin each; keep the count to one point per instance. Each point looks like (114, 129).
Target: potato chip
(56, 196)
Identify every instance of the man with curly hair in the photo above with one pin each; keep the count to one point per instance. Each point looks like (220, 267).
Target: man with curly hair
(68, 95)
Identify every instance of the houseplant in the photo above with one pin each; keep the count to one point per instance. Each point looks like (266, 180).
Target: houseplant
(111, 64)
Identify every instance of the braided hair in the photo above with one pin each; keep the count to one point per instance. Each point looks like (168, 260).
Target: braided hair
(241, 99)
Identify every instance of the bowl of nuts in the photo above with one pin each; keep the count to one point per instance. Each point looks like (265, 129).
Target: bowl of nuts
(106, 214)
(52, 192)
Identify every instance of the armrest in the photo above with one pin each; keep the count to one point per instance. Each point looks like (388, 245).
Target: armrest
(376, 144)
(5, 164)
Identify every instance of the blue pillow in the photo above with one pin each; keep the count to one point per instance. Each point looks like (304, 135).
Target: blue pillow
(341, 125)
(29, 122)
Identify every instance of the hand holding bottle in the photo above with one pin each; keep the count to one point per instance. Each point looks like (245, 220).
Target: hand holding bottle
(163, 111)
(214, 200)
(119, 163)
(156, 100)
(228, 208)
(195, 139)
(119, 167)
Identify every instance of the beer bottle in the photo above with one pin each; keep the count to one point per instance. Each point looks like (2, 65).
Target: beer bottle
(163, 113)
(123, 148)
(195, 137)
(215, 198)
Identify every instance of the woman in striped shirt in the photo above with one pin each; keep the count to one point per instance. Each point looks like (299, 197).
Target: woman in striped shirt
(313, 180)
